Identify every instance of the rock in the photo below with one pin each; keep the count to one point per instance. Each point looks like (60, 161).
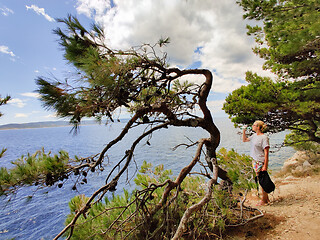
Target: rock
(300, 162)
(290, 162)
(299, 169)
(306, 164)
(294, 160)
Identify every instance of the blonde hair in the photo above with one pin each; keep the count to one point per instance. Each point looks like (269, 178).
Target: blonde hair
(262, 126)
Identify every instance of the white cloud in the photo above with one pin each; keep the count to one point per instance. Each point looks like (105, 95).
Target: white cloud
(215, 106)
(50, 116)
(225, 84)
(195, 78)
(49, 69)
(6, 50)
(17, 102)
(6, 11)
(93, 7)
(21, 115)
(215, 27)
(40, 11)
(31, 94)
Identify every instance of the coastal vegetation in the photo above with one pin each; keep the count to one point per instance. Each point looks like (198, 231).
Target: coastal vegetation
(128, 215)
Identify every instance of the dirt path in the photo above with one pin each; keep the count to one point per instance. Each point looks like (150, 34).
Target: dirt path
(294, 212)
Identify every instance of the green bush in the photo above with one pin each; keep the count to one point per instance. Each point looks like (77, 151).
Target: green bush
(128, 215)
(34, 169)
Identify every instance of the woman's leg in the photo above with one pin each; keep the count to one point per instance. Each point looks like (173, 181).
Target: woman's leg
(265, 197)
(257, 166)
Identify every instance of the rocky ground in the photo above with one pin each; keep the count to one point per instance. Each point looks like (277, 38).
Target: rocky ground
(294, 211)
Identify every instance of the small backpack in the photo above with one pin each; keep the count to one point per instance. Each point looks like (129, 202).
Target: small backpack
(266, 182)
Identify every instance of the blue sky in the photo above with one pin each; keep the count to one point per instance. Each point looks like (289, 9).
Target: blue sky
(207, 34)
(28, 49)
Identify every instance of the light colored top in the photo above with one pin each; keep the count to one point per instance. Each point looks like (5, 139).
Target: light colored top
(258, 144)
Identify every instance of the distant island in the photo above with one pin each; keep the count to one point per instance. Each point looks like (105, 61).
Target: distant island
(42, 124)
(49, 124)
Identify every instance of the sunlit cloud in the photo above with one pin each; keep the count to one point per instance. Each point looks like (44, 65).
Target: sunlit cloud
(215, 106)
(40, 11)
(50, 116)
(6, 11)
(6, 50)
(31, 94)
(17, 102)
(21, 115)
(194, 78)
(225, 85)
(92, 7)
(213, 33)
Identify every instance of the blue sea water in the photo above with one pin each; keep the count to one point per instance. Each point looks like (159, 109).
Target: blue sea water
(40, 213)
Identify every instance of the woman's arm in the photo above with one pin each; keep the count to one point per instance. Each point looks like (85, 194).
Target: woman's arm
(266, 159)
(244, 136)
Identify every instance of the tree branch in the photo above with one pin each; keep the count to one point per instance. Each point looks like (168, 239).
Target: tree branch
(186, 216)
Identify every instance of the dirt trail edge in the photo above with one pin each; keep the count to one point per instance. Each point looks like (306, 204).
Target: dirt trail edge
(294, 212)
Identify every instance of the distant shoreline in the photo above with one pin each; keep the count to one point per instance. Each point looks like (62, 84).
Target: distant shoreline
(49, 124)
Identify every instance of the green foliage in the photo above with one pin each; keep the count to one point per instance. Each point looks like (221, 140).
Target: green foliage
(115, 218)
(281, 105)
(108, 79)
(239, 168)
(289, 39)
(300, 141)
(4, 101)
(2, 152)
(129, 213)
(253, 101)
(38, 168)
(149, 176)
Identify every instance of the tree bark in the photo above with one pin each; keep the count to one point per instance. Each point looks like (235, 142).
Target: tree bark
(186, 216)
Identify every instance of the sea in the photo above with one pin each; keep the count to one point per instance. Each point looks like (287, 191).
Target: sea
(40, 213)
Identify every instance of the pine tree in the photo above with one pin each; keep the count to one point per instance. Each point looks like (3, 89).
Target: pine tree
(288, 39)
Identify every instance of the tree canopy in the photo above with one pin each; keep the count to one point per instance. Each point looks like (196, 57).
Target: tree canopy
(288, 39)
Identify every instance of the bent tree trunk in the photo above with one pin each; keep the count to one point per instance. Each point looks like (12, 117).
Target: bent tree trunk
(211, 143)
(142, 82)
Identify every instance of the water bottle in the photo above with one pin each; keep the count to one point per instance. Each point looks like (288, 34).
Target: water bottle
(246, 127)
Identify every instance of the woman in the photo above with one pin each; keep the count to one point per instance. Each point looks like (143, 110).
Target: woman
(259, 152)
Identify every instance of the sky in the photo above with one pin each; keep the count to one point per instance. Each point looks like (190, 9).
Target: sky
(203, 34)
